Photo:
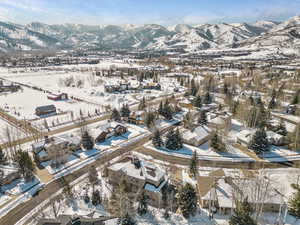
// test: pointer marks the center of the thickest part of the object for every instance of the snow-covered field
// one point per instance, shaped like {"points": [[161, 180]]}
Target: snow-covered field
{"points": [[91, 92], [22, 104]]}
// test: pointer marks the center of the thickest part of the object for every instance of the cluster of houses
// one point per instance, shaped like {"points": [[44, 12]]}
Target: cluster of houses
{"points": [[121, 87], [59, 148], [199, 134]]}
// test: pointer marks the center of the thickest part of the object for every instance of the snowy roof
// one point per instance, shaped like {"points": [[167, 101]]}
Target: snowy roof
{"points": [[217, 120], [198, 133], [147, 171]]}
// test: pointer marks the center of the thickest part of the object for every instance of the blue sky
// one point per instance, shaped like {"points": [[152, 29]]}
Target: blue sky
{"points": [[165, 12]]}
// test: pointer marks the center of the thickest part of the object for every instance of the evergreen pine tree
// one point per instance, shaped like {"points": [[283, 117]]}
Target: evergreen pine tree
{"points": [[194, 165], [294, 202], [251, 100], [93, 175], [259, 142], [194, 89], [187, 200], [149, 119], [142, 104], [173, 140], [296, 98], [225, 88], [207, 98], [281, 129], [26, 164], [167, 111], [96, 198], [125, 111], [126, 220], [179, 139], [142, 204], [272, 103], [242, 214], [87, 141], [202, 118], [263, 116], [115, 115], [217, 144], [160, 108], [197, 102], [234, 107], [156, 140], [3, 158]]}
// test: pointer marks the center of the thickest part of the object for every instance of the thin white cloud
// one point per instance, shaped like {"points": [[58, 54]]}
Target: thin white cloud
{"points": [[31, 5]]}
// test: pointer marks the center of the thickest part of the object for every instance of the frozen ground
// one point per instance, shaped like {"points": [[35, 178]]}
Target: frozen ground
{"points": [[203, 152], [71, 160], [22, 104]]}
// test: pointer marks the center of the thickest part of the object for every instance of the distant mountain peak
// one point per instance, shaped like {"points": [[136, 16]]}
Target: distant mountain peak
{"points": [[38, 35]]}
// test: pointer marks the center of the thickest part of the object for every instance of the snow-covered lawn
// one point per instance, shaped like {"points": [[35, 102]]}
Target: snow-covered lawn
{"points": [[77, 206], [71, 160], [83, 154], [203, 152]]}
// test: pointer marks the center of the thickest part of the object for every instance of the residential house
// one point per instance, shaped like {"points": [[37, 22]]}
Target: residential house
{"points": [[136, 117], [219, 121], [141, 176], [55, 148], [196, 136], [108, 131], [222, 194]]}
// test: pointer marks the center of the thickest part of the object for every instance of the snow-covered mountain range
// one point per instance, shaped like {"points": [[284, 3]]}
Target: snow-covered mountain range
{"points": [[151, 36]]}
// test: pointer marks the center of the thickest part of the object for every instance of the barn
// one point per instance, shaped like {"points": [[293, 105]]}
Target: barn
{"points": [[58, 97], [44, 110]]}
